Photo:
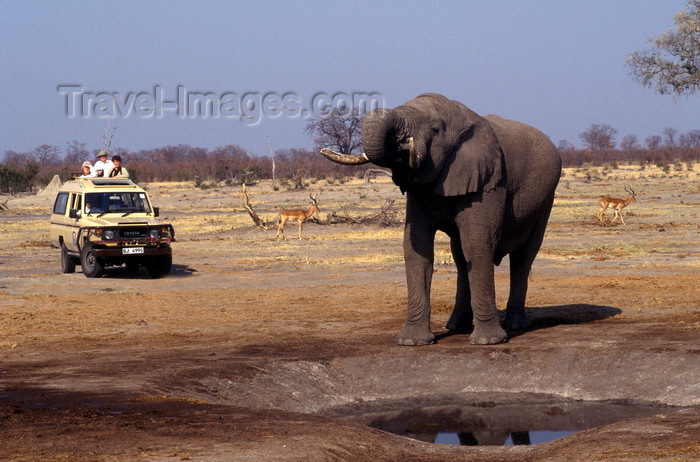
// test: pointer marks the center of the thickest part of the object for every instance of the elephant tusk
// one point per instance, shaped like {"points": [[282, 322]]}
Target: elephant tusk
{"points": [[414, 157], [345, 159]]}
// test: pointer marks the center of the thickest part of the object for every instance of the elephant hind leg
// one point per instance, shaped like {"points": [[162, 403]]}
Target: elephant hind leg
{"points": [[520, 265], [461, 319]]}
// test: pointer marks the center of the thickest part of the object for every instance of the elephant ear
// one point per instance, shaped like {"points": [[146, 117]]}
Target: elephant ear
{"points": [[476, 161]]}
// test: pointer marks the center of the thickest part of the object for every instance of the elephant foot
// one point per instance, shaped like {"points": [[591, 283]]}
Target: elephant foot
{"points": [[414, 336], [516, 319], [487, 334]]}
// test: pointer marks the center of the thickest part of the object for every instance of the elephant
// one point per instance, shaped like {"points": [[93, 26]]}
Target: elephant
{"points": [[486, 182]]}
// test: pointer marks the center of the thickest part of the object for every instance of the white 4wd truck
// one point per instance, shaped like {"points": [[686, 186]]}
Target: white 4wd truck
{"points": [[102, 222]]}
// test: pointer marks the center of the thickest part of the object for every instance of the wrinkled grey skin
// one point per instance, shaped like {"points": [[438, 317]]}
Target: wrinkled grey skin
{"points": [[487, 182]]}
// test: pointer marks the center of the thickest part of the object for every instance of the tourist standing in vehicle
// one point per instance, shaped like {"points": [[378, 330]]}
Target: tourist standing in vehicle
{"points": [[103, 166], [118, 171], [86, 170]]}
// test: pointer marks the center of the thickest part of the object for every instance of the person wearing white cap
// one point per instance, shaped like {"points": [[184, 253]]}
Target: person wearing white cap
{"points": [[102, 167], [86, 170]]}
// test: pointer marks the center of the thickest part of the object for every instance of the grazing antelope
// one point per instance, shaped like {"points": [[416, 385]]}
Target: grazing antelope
{"points": [[615, 204], [297, 214]]}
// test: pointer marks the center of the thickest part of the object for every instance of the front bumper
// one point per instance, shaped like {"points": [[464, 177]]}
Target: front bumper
{"points": [[117, 252]]}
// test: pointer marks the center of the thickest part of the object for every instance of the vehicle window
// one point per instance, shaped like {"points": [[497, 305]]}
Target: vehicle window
{"points": [[60, 205], [76, 201], [135, 202], [117, 202], [95, 202]]}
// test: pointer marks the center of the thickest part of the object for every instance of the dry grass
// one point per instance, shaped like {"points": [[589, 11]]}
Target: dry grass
{"points": [[662, 223]]}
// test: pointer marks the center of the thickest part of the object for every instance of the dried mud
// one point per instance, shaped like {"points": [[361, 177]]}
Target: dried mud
{"points": [[258, 349]]}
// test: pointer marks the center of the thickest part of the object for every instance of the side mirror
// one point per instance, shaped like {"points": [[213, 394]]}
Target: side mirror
{"points": [[156, 211], [73, 213]]}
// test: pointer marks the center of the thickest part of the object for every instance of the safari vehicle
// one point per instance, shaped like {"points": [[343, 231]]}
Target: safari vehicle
{"points": [[102, 222]]}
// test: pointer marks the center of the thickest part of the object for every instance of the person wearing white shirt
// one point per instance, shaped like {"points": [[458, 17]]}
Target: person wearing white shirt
{"points": [[102, 167]]}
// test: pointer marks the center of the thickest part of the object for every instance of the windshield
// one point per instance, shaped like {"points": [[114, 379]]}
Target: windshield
{"points": [[116, 202]]}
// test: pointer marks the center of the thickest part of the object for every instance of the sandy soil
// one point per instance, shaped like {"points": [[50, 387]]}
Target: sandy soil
{"points": [[258, 349]]}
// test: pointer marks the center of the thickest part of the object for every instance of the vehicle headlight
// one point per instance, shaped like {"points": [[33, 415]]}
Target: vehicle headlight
{"points": [[109, 234], [154, 233]]}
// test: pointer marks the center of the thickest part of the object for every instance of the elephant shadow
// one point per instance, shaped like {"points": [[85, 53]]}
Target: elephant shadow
{"points": [[577, 313], [556, 315]]}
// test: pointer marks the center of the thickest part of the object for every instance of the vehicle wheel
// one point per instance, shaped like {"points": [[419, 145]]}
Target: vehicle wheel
{"points": [[67, 262], [92, 266], [160, 266]]}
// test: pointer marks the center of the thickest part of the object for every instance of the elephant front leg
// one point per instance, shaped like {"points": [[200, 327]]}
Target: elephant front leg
{"points": [[418, 257], [487, 324]]}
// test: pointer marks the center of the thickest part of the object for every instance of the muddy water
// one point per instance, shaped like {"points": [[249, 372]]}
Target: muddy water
{"points": [[505, 420]]}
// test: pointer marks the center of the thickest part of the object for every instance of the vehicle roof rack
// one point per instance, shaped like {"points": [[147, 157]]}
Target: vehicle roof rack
{"points": [[110, 181]]}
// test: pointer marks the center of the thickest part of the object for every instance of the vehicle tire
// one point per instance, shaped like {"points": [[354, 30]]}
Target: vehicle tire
{"points": [[92, 266], [160, 266], [67, 262]]}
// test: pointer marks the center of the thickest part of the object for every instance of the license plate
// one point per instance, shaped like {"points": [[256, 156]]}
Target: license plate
{"points": [[131, 250]]}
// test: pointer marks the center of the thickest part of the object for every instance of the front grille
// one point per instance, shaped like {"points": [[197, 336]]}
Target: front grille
{"points": [[133, 233]]}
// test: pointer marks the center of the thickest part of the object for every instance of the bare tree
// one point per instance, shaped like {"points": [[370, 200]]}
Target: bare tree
{"points": [[629, 142], [108, 135], [272, 155], [337, 131], [653, 142], [76, 153], [565, 145], [255, 217], [46, 154], [670, 136], [672, 65], [16, 159], [690, 139], [599, 137]]}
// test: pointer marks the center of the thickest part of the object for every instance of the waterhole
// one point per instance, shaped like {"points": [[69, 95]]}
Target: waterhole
{"points": [[493, 423]]}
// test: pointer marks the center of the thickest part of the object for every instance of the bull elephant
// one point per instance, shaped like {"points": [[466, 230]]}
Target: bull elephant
{"points": [[487, 182]]}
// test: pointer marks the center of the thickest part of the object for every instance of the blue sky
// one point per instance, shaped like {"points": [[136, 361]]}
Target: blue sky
{"points": [[555, 64]]}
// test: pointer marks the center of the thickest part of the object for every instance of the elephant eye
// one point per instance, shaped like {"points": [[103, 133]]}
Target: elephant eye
{"points": [[435, 127]]}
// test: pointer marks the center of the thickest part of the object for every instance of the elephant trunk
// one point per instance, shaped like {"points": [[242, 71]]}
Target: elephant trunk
{"points": [[377, 140], [382, 139]]}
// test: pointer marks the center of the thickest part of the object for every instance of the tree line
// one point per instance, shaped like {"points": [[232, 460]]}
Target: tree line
{"points": [[29, 171], [231, 164], [601, 148]]}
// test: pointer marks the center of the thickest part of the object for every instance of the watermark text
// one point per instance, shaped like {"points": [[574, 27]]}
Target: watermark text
{"points": [[249, 107]]}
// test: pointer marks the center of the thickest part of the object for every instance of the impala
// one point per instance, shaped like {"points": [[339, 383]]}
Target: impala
{"points": [[615, 204], [297, 214]]}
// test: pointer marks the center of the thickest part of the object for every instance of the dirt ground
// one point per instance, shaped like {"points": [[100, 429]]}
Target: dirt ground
{"points": [[259, 349]]}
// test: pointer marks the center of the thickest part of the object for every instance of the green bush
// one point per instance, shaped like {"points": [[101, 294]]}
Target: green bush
{"points": [[14, 179]]}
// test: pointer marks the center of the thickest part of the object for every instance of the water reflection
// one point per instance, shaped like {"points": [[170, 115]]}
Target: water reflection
{"points": [[492, 423], [490, 438], [484, 438]]}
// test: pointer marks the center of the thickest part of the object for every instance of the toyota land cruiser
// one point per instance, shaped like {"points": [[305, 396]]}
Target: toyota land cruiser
{"points": [[102, 222]]}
